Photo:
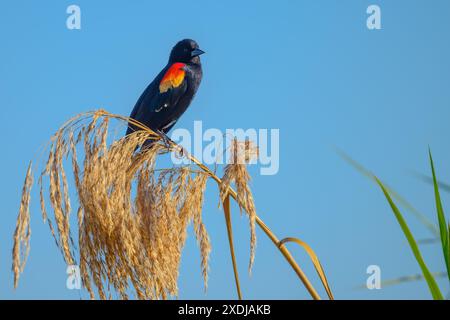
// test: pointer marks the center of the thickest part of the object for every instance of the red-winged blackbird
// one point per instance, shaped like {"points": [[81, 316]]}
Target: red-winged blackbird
{"points": [[168, 96]]}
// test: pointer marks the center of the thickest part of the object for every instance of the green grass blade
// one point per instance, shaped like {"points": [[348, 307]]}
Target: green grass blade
{"points": [[421, 217], [441, 218], [432, 285]]}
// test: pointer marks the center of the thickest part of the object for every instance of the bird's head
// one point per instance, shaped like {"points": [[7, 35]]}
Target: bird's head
{"points": [[186, 51]]}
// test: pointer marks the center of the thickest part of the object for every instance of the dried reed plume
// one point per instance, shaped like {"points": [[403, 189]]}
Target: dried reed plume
{"points": [[236, 172], [23, 231], [132, 217]]}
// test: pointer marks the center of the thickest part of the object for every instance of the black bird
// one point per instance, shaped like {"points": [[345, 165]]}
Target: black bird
{"points": [[169, 95]]}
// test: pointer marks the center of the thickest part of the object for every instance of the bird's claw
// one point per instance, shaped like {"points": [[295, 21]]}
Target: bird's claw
{"points": [[181, 152], [165, 139]]}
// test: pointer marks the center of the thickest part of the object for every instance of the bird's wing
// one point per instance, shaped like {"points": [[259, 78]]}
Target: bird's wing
{"points": [[156, 103], [138, 109]]}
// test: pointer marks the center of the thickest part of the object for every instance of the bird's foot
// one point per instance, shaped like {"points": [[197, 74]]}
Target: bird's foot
{"points": [[168, 143], [165, 139]]}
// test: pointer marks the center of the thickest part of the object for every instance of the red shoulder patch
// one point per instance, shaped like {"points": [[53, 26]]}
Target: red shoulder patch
{"points": [[173, 77]]}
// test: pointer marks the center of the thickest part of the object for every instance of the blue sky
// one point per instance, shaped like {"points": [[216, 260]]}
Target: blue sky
{"points": [[310, 68]]}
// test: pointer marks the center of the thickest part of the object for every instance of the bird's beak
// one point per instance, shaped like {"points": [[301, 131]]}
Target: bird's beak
{"points": [[197, 52]]}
